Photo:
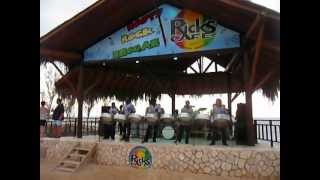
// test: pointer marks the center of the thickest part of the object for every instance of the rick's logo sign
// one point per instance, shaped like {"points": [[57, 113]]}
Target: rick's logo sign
{"points": [[140, 157]]}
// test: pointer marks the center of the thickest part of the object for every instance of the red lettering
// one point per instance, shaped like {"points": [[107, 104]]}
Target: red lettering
{"points": [[143, 19]]}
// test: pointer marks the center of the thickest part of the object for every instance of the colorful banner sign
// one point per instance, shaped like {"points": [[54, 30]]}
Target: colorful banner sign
{"points": [[165, 30], [140, 157]]}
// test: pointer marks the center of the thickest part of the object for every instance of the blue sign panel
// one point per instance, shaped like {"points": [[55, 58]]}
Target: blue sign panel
{"points": [[165, 30]]}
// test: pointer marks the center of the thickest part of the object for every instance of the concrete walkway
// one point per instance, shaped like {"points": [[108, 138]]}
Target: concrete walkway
{"points": [[95, 172]]}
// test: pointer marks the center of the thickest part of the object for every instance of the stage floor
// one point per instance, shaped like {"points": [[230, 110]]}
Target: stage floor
{"points": [[96, 172]]}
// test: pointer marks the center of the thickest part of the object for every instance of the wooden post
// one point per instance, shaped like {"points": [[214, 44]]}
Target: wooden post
{"points": [[173, 102], [229, 94], [80, 101], [216, 66], [248, 92]]}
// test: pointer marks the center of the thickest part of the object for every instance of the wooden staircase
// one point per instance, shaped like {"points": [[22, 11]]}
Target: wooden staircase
{"points": [[74, 159]]}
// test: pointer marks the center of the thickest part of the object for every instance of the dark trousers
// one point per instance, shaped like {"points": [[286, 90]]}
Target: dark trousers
{"points": [[121, 129], [223, 135], [151, 128], [109, 131], [181, 129], [126, 131]]}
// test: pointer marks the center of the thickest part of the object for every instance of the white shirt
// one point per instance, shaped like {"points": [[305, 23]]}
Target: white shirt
{"points": [[44, 113]]}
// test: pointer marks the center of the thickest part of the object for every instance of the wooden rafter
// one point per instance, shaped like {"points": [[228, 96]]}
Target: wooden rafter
{"points": [[69, 83], [256, 55], [234, 97], [193, 69], [264, 80], [211, 61], [93, 85], [252, 28], [55, 54]]}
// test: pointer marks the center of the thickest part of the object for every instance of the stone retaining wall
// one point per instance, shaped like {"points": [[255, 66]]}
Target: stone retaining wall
{"points": [[212, 160]]}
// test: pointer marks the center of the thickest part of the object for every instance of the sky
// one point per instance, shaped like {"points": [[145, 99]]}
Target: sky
{"points": [[55, 12]]}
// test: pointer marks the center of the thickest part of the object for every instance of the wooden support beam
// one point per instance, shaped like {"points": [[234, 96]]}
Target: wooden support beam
{"points": [[234, 97], [173, 103], [264, 80], [216, 66], [208, 66], [69, 83], [193, 69], [248, 8], [80, 101], [93, 85], [253, 26], [256, 55], [60, 55]]}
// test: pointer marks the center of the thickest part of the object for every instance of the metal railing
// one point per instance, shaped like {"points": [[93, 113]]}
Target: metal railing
{"points": [[268, 130]]}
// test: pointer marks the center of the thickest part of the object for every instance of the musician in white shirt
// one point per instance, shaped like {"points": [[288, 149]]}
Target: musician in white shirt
{"points": [[128, 109], [218, 108]]}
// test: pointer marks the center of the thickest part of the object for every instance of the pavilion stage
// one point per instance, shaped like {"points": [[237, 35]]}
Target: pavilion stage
{"points": [[257, 162]]}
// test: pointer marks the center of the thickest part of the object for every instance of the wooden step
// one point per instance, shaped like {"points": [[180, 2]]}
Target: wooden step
{"points": [[70, 162], [66, 169], [77, 155], [82, 149]]}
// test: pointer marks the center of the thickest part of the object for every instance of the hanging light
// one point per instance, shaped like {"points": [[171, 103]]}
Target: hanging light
{"points": [[175, 58], [137, 62]]}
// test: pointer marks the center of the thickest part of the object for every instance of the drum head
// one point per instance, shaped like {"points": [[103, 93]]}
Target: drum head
{"points": [[168, 132]]}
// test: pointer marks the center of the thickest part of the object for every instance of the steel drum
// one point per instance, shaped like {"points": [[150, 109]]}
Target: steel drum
{"points": [[167, 118], [151, 118], [202, 118], [121, 118], [221, 120], [134, 118], [106, 118], [168, 132], [185, 118]]}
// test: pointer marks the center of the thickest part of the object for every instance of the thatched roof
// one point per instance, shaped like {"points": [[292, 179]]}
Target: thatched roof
{"points": [[67, 42]]}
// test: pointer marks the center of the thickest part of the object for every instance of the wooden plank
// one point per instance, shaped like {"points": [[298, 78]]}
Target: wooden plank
{"points": [[193, 69], [71, 162], [80, 101], [69, 83], [59, 55], [264, 80], [235, 96], [208, 66], [256, 55], [98, 80]]}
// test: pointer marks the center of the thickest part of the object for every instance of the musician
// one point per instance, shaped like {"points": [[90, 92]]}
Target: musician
{"points": [[121, 126], [218, 108], [128, 109], [113, 110], [181, 128], [153, 109]]}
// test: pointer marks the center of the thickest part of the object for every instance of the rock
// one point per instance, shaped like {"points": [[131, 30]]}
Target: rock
{"points": [[245, 154], [181, 157], [207, 170], [199, 154], [196, 166], [188, 154], [204, 158], [241, 163], [214, 153], [226, 166], [217, 164]]}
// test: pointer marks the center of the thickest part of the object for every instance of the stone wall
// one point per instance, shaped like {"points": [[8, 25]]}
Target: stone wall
{"points": [[212, 160]]}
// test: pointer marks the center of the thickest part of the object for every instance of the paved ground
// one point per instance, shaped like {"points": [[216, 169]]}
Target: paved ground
{"points": [[95, 172]]}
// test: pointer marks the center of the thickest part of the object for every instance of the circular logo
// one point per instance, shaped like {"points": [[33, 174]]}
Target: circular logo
{"points": [[168, 132], [191, 30], [140, 157]]}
